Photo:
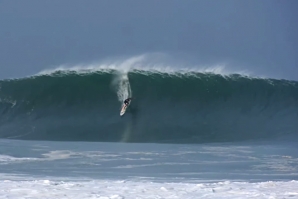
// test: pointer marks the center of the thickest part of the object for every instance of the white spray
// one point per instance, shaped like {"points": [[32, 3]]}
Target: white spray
{"points": [[122, 85]]}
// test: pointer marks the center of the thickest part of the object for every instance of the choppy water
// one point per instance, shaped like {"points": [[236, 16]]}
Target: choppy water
{"points": [[124, 170]]}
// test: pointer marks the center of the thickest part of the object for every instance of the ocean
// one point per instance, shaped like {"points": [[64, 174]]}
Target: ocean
{"points": [[186, 134]]}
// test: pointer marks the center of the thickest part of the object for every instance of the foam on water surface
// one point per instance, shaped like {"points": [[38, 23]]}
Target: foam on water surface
{"points": [[145, 189], [78, 170]]}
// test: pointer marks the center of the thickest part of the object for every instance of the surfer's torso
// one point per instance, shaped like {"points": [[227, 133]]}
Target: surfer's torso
{"points": [[127, 101]]}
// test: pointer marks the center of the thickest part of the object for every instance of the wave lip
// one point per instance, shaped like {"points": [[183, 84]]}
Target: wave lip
{"points": [[170, 106], [146, 63]]}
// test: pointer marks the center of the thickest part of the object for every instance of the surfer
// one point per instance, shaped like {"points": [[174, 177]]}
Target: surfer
{"points": [[125, 105], [127, 101]]}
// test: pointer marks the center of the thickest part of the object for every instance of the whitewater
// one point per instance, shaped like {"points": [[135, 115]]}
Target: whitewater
{"points": [[35, 169], [189, 133]]}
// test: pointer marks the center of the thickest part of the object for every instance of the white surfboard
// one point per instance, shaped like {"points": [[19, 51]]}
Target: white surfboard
{"points": [[123, 109]]}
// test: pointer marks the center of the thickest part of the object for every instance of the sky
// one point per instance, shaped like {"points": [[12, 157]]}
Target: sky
{"points": [[258, 36]]}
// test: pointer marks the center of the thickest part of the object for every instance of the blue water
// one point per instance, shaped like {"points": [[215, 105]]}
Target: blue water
{"points": [[166, 107], [237, 133], [158, 162]]}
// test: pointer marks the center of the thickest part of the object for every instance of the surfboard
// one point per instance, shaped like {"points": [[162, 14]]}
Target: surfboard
{"points": [[123, 109]]}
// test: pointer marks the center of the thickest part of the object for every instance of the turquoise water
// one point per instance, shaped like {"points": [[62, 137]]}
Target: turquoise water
{"points": [[184, 135], [166, 108]]}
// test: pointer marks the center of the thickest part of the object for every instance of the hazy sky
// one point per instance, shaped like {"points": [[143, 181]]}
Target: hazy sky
{"points": [[258, 35]]}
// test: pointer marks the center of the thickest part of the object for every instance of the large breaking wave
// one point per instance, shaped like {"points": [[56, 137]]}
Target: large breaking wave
{"points": [[176, 107]]}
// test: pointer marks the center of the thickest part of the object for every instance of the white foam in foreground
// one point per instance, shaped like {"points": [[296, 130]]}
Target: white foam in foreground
{"points": [[133, 189]]}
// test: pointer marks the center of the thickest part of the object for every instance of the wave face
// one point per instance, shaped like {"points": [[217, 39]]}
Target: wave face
{"points": [[167, 107]]}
